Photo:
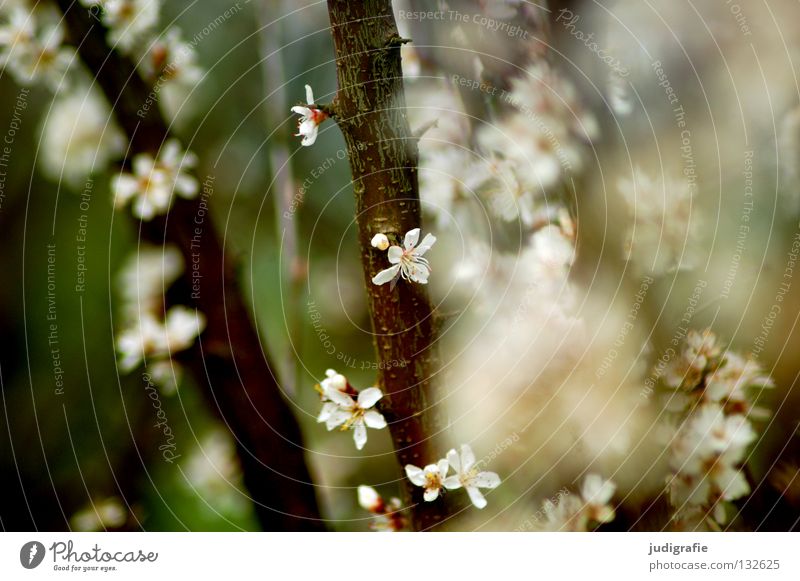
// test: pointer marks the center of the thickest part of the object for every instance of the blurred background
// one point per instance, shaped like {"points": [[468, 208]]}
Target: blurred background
{"points": [[602, 176]]}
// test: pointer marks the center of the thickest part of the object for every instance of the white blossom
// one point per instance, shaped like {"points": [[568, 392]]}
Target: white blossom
{"points": [[431, 478], [80, 136], [150, 337], [31, 48], [369, 499], [153, 182], [407, 261], [146, 276], [596, 493], [129, 21], [310, 119], [171, 65], [468, 476], [356, 414]]}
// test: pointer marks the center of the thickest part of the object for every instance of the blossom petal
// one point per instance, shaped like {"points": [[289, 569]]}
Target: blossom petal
{"points": [[418, 272], [476, 496], [310, 137], [369, 397], [360, 435], [415, 474], [374, 420], [452, 483], [304, 111], [387, 275], [411, 239], [431, 494], [395, 253], [341, 399], [336, 418], [454, 461], [425, 245], [442, 466], [309, 95], [486, 480], [467, 458]]}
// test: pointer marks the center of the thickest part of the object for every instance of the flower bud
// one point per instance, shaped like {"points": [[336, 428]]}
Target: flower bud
{"points": [[380, 241]]}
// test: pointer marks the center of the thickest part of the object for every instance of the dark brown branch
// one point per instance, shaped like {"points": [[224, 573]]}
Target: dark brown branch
{"points": [[370, 110], [235, 375]]}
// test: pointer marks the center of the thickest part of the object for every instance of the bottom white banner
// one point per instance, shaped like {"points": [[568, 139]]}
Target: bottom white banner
{"points": [[350, 556]]}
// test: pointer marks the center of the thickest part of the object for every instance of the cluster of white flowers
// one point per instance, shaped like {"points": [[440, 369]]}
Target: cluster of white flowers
{"points": [[347, 409], [388, 517], [433, 477], [666, 228], [80, 136], [311, 117], [714, 404], [154, 180], [151, 333], [129, 22], [31, 45], [583, 512], [535, 147], [408, 260]]}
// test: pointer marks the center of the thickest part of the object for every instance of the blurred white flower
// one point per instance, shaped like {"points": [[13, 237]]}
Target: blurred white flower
{"points": [[31, 49], [100, 515], [666, 230], [468, 476], [431, 478], [130, 22], [151, 338], [388, 517], [171, 65], [575, 514], [408, 261], [146, 276], [596, 493], [153, 181], [310, 119], [80, 136], [369, 499], [333, 382], [353, 414]]}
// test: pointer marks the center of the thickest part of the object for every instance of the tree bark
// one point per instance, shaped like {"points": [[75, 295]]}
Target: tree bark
{"points": [[370, 110], [236, 377]]}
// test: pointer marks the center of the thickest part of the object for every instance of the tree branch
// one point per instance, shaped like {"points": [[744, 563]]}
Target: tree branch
{"points": [[370, 111], [235, 376]]}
